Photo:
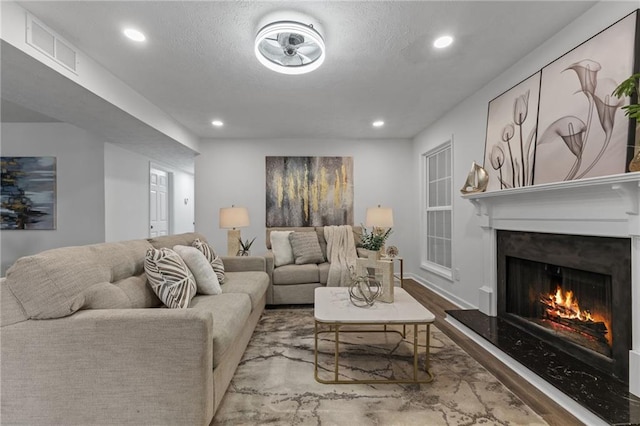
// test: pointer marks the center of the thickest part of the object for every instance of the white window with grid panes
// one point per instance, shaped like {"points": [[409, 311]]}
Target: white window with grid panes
{"points": [[437, 211]]}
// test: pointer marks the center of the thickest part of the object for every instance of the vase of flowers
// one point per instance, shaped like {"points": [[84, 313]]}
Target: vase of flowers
{"points": [[373, 241]]}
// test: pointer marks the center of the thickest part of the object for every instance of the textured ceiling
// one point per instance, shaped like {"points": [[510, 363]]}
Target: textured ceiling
{"points": [[198, 63]]}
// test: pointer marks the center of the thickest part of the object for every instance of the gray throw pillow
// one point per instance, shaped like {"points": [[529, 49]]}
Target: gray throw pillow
{"points": [[306, 248], [206, 279]]}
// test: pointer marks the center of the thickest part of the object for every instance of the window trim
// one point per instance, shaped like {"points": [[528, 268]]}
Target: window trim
{"points": [[435, 268]]}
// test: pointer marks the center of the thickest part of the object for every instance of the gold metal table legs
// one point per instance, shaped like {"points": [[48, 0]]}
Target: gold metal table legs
{"points": [[335, 328]]}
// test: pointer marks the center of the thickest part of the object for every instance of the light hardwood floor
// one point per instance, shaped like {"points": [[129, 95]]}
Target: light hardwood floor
{"points": [[547, 408]]}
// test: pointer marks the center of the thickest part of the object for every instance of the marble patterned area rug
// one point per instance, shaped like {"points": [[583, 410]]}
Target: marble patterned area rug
{"points": [[274, 383]]}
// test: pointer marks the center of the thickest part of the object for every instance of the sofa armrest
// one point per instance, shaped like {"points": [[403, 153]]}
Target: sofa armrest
{"points": [[243, 263], [124, 366]]}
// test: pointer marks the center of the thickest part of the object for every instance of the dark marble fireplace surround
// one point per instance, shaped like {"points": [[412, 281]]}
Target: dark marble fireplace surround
{"points": [[597, 382], [602, 256]]}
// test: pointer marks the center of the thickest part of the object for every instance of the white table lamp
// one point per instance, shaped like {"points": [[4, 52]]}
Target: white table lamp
{"points": [[232, 218], [379, 217]]}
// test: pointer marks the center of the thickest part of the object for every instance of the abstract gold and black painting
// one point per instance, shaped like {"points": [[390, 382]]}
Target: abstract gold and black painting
{"points": [[309, 191]]}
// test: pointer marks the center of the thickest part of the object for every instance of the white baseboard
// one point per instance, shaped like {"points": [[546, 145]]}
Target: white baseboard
{"points": [[581, 413], [460, 303]]}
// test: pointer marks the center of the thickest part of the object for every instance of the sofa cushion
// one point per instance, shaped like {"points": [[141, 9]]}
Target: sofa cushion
{"points": [[323, 269], [169, 277], [281, 247], [322, 241], [230, 312], [169, 241], [212, 257], [296, 274], [305, 247], [206, 279], [47, 284], [253, 283]]}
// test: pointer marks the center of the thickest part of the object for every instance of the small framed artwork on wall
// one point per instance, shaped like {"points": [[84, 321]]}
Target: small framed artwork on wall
{"points": [[28, 193]]}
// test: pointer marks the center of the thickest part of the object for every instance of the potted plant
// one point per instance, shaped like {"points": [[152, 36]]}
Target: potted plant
{"points": [[245, 247], [631, 87], [374, 241]]}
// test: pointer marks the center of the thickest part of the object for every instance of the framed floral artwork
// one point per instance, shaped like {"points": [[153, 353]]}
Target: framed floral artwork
{"points": [[582, 129], [510, 139]]}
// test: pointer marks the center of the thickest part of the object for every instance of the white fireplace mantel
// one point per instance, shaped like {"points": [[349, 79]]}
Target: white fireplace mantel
{"points": [[604, 206]]}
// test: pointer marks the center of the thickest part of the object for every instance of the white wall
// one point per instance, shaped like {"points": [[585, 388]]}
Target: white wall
{"points": [[126, 190], [233, 172], [467, 123], [80, 189]]}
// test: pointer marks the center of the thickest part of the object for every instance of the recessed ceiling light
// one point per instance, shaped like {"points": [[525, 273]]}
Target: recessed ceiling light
{"points": [[134, 35], [442, 42], [378, 123], [217, 123]]}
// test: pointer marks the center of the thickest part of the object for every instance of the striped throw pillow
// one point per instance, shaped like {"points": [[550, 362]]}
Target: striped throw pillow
{"points": [[169, 277], [212, 257]]}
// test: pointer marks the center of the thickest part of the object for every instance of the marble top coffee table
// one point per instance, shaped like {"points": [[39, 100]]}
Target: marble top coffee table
{"points": [[333, 308]]}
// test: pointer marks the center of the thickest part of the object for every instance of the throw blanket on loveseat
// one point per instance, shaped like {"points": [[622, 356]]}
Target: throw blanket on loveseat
{"points": [[341, 252]]}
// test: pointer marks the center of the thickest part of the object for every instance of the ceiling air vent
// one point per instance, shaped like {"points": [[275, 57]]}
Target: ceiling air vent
{"points": [[51, 44]]}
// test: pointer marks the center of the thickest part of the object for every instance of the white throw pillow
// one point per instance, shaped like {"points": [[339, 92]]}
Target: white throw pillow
{"points": [[169, 277], [281, 248], [206, 279]]}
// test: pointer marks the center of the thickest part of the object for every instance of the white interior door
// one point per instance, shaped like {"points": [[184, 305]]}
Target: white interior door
{"points": [[158, 203]]}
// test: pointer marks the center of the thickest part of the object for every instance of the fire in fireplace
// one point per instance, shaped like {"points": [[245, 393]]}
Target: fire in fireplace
{"points": [[563, 309], [572, 304], [569, 290]]}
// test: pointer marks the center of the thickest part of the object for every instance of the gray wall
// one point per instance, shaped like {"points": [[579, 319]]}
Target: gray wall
{"points": [[80, 187], [233, 172]]}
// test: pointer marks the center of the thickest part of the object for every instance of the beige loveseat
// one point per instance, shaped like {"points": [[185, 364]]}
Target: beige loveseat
{"points": [[295, 284], [120, 358]]}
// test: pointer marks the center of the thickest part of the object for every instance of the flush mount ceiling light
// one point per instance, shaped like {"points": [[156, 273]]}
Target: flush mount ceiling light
{"points": [[378, 123], [289, 47], [217, 123]]}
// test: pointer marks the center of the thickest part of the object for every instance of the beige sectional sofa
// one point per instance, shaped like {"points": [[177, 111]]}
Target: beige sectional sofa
{"points": [[84, 340], [295, 284]]}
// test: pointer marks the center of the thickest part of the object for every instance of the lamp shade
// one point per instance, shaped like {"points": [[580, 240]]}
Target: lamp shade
{"points": [[379, 217], [234, 217]]}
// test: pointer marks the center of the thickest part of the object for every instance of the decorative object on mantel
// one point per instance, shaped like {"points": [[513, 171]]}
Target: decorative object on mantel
{"points": [[28, 193], [232, 218], [380, 271], [629, 88], [581, 129], [392, 251], [362, 291], [477, 180], [245, 247]]}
